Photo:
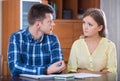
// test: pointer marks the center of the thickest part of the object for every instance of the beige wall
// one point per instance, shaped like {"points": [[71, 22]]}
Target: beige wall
{"points": [[0, 26]]}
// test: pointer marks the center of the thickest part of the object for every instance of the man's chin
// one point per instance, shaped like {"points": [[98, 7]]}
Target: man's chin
{"points": [[50, 33]]}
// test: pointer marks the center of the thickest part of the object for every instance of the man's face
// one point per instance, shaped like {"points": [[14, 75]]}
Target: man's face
{"points": [[47, 24]]}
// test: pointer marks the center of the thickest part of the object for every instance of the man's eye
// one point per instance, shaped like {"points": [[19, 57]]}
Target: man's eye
{"points": [[49, 21]]}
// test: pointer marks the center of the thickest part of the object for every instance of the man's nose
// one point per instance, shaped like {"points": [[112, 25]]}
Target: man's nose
{"points": [[53, 24]]}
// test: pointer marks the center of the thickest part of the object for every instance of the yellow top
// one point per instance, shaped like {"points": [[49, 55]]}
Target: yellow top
{"points": [[104, 56]]}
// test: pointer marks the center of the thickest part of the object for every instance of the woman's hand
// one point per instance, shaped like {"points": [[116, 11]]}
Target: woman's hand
{"points": [[56, 67], [83, 70], [104, 70]]}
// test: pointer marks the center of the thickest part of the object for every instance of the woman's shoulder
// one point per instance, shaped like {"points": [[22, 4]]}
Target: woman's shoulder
{"points": [[108, 42], [79, 40]]}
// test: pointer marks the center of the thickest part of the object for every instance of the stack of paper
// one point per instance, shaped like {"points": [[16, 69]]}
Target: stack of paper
{"points": [[75, 75]]}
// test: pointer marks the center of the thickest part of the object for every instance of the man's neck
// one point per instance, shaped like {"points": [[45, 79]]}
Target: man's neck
{"points": [[35, 33]]}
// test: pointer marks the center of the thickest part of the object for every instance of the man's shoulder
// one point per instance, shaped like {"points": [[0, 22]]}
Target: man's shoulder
{"points": [[51, 35], [19, 32]]}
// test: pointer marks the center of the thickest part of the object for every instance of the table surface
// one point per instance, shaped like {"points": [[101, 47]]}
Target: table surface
{"points": [[104, 77]]}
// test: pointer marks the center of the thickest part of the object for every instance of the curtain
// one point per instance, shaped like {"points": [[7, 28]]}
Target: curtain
{"points": [[112, 11]]}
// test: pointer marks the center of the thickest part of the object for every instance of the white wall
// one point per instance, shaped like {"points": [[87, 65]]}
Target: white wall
{"points": [[0, 25], [112, 11]]}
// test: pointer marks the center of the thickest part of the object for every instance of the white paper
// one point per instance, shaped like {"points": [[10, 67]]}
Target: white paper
{"points": [[76, 75], [86, 75]]}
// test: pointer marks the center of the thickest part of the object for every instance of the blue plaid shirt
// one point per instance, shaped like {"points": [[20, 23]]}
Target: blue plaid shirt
{"points": [[29, 56]]}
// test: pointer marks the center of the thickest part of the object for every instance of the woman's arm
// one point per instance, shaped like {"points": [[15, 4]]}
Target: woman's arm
{"points": [[79, 70], [112, 59]]}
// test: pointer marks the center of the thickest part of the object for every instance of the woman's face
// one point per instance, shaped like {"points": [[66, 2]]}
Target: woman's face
{"points": [[90, 27]]}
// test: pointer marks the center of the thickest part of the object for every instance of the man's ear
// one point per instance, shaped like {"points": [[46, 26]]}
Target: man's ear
{"points": [[100, 27], [37, 24]]}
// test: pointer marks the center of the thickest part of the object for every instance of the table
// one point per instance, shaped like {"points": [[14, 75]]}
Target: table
{"points": [[104, 77]]}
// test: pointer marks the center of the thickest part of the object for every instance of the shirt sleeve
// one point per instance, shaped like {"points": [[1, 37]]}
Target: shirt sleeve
{"points": [[56, 50], [15, 63], [72, 62], [112, 61]]}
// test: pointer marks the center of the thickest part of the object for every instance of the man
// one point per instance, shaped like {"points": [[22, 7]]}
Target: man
{"points": [[35, 50]]}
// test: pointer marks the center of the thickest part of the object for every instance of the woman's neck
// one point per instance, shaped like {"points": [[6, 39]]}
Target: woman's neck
{"points": [[93, 38], [92, 43]]}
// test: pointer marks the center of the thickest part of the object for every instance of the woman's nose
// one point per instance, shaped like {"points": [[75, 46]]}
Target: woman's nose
{"points": [[85, 26]]}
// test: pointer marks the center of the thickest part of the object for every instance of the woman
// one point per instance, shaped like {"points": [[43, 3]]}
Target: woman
{"points": [[93, 52]]}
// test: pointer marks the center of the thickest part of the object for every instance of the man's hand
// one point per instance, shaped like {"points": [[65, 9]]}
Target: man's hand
{"points": [[56, 67]]}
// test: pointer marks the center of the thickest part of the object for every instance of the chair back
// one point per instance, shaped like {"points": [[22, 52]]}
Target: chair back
{"points": [[1, 65]]}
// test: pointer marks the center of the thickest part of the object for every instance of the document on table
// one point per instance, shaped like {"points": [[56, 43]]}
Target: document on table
{"points": [[76, 75]]}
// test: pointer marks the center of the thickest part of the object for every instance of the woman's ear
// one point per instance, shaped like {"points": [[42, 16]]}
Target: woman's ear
{"points": [[100, 27]]}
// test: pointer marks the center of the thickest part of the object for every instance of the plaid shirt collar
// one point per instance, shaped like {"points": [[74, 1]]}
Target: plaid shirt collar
{"points": [[31, 38]]}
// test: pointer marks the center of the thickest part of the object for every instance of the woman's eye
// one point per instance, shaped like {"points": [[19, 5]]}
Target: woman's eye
{"points": [[83, 22], [90, 24]]}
